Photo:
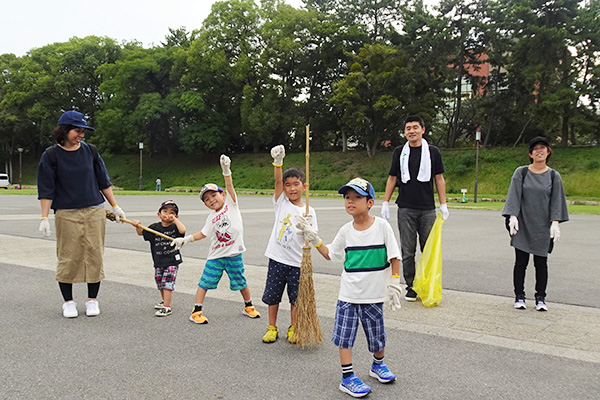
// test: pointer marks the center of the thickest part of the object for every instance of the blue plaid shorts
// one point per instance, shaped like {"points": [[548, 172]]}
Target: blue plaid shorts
{"points": [[165, 277], [213, 271], [278, 276], [345, 328]]}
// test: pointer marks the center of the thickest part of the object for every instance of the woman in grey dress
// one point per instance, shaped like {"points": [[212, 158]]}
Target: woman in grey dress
{"points": [[535, 205]]}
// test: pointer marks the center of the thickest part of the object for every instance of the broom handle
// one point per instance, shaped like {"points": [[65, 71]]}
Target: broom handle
{"points": [[307, 164], [162, 235]]}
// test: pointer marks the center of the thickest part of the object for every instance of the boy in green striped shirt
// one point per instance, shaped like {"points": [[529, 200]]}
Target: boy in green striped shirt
{"points": [[371, 256]]}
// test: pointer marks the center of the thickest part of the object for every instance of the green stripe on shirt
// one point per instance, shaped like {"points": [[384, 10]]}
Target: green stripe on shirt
{"points": [[366, 258]]}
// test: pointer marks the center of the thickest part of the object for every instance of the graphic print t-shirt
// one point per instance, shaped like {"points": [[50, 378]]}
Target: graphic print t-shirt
{"points": [[163, 254], [285, 244], [225, 229]]}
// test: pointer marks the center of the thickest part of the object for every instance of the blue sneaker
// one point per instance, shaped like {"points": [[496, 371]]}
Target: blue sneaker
{"points": [[381, 373], [354, 386]]}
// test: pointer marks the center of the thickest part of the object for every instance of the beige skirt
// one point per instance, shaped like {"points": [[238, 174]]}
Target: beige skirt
{"points": [[80, 244]]}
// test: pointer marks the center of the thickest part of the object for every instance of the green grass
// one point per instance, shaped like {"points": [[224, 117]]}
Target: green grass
{"points": [[253, 173]]}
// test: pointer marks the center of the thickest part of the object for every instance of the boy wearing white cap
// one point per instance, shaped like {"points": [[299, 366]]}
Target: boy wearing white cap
{"points": [[225, 228]]}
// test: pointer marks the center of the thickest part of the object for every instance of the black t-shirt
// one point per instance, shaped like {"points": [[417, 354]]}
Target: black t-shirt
{"points": [[414, 193], [163, 254]]}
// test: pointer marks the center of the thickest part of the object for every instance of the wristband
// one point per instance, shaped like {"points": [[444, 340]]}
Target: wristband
{"points": [[278, 166], [115, 206], [319, 245], [193, 239], [554, 221], [395, 276], [43, 217]]}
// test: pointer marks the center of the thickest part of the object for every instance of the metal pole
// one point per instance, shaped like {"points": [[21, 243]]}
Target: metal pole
{"points": [[477, 138], [141, 148], [20, 150]]}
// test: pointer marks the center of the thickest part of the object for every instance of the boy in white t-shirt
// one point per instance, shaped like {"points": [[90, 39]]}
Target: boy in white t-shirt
{"points": [[367, 246], [226, 231], [284, 249]]}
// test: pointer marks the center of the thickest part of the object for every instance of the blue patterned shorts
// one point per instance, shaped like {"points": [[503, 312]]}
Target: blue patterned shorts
{"points": [[165, 277], [278, 276], [345, 328], [213, 271]]}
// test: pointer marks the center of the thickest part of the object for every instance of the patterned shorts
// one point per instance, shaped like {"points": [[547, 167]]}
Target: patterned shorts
{"points": [[278, 276], [345, 328], [165, 277], [213, 271]]}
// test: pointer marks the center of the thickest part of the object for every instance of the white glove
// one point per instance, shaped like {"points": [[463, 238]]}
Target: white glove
{"points": [[385, 210], [444, 211], [310, 235], [225, 165], [278, 152], [179, 242], [118, 213], [45, 227], [394, 294], [555, 231], [306, 220], [513, 225]]}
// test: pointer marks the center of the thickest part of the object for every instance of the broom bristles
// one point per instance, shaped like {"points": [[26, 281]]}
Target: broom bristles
{"points": [[308, 330]]}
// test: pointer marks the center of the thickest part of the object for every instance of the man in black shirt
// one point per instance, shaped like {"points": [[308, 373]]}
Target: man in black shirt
{"points": [[415, 166]]}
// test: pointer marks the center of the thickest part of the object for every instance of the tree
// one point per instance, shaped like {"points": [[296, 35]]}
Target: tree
{"points": [[373, 96], [50, 80], [218, 65], [143, 98], [541, 65]]}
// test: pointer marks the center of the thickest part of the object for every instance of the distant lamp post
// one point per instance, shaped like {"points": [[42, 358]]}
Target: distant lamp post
{"points": [[20, 150], [477, 140], [141, 148]]}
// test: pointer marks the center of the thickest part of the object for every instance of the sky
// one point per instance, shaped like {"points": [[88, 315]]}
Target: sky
{"points": [[28, 24]]}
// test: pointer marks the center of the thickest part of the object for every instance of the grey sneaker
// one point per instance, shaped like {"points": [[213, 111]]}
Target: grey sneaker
{"points": [[70, 309], [540, 304], [520, 303], [160, 305]]}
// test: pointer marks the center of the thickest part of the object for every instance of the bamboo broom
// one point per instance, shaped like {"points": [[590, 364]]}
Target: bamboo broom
{"points": [[308, 330]]}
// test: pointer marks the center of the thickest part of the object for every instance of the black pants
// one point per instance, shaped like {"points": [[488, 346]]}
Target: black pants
{"points": [[541, 273], [67, 290]]}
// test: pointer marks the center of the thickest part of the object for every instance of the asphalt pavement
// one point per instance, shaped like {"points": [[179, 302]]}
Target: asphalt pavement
{"points": [[474, 345]]}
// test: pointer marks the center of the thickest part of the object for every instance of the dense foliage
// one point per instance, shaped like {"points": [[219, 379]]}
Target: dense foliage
{"points": [[253, 75]]}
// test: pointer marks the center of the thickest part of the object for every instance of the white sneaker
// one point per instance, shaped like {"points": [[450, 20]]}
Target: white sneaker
{"points": [[164, 312], [520, 304], [540, 304], [70, 309], [91, 308]]}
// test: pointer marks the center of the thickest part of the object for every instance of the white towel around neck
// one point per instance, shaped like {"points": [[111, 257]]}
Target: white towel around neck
{"points": [[424, 168]]}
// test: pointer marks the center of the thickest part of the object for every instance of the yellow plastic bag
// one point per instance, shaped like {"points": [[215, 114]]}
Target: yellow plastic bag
{"points": [[428, 274]]}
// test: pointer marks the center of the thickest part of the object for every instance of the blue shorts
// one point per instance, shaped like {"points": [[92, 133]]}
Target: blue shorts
{"points": [[347, 316], [165, 277], [213, 271], [278, 276]]}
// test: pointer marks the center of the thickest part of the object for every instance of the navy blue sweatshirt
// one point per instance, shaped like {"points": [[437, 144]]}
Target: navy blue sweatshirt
{"points": [[77, 181]]}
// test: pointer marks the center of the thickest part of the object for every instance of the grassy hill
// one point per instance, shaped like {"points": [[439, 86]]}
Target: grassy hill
{"points": [[579, 168]]}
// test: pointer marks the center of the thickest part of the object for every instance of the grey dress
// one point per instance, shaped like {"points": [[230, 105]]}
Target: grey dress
{"points": [[536, 201]]}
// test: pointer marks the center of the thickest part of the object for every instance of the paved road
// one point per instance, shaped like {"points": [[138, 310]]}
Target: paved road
{"points": [[476, 251], [472, 346]]}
